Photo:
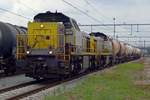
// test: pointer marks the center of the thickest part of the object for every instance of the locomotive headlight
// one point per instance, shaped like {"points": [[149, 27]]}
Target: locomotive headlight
{"points": [[41, 25], [28, 52], [50, 52]]}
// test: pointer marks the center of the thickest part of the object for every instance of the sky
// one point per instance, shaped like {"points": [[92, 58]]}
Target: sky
{"points": [[101, 11]]}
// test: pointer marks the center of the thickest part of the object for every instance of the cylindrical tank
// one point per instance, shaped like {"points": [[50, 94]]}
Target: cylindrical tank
{"points": [[130, 50], [8, 38], [116, 47], [107, 47], [134, 51], [127, 50], [138, 52], [122, 48]]}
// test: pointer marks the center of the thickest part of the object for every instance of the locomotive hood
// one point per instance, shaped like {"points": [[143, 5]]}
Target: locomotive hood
{"points": [[99, 34]]}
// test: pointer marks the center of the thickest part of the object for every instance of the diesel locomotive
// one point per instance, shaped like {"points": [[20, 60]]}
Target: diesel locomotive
{"points": [[54, 47]]}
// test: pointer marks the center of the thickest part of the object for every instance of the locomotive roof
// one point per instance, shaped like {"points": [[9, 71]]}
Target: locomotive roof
{"points": [[51, 17], [99, 34]]}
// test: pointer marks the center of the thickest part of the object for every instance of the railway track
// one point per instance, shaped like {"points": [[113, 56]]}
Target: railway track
{"points": [[18, 90], [24, 90], [30, 88], [16, 87]]}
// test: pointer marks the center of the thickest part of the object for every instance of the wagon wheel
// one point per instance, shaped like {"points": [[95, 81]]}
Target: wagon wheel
{"points": [[13, 67]]}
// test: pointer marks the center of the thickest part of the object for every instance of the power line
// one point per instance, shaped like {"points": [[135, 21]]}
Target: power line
{"points": [[146, 24], [27, 6], [82, 11], [131, 26], [5, 16], [2, 9], [137, 41], [94, 10], [133, 36], [142, 31], [80, 6], [93, 7]]}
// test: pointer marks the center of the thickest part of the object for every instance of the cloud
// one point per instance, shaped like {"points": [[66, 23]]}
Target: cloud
{"points": [[125, 11], [28, 8]]}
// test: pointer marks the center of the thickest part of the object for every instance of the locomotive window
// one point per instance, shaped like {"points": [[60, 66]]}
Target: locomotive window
{"points": [[67, 25], [75, 25]]}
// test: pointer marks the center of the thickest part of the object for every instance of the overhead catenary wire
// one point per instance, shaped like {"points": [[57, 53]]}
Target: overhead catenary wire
{"points": [[25, 5], [93, 18], [82, 11], [97, 10], [13, 13], [98, 13], [94, 10]]}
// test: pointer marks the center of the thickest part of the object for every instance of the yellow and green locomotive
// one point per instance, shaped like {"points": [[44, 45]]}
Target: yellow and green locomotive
{"points": [[55, 47]]}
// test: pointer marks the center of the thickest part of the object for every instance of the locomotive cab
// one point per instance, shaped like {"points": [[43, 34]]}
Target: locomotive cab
{"points": [[51, 39], [106, 46]]}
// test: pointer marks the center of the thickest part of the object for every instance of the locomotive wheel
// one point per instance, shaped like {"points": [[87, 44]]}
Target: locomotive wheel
{"points": [[72, 67], [6, 72], [76, 68], [13, 71], [75, 65]]}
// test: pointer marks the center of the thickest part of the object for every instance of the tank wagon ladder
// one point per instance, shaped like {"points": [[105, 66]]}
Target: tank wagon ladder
{"points": [[21, 46]]}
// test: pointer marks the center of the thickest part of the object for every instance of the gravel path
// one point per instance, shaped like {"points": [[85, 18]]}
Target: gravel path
{"points": [[13, 81], [147, 68], [144, 75], [13, 93], [55, 90]]}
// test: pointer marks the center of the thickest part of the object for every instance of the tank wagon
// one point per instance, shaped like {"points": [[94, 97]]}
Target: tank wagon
{"points": [[8, 46], [55, 47]]}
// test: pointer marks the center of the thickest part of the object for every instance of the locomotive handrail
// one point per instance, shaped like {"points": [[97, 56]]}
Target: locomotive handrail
{"points": [[61, 45], [20, 46]]}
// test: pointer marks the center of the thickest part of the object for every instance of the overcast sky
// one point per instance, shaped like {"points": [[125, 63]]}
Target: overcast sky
{"points": [[125, 11]]}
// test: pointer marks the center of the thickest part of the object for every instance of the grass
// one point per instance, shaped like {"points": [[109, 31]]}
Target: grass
{"points": [[112, 84]]}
